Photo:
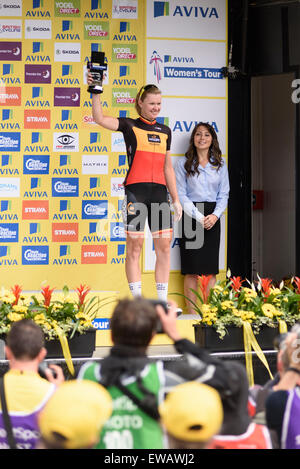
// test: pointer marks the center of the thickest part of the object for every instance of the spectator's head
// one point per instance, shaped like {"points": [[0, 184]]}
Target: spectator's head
{"points": [[74, 416], [133, 323], [25, 342], [191, 414], [235, 399]]}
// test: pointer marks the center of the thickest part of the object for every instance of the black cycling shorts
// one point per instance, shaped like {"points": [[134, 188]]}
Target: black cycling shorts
{"points": [[147, 201]]}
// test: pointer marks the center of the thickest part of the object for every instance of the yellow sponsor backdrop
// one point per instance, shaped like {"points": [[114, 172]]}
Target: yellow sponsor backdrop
{"points": [[48, 228], [71, 26]]}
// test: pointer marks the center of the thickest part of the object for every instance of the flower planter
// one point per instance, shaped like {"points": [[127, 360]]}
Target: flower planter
{"points": [[81, 345], [208, 338]]}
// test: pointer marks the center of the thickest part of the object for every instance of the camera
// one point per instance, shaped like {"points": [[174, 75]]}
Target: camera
{"points": [[96, 67], [42, 367], [159, 328]]}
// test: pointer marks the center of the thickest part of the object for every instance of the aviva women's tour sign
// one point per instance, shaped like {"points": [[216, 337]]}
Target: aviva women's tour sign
{"points": [[61, 175]]}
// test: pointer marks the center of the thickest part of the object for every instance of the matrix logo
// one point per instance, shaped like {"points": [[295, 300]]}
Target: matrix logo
{"points": [[94, 164], [161, 9], [9, 232], [35, 255], [35, 210]]}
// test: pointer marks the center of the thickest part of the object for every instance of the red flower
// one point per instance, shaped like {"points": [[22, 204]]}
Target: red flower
{"points": [[47, 293], [17, 292], [266, 285], [203, 284], [236, 283], [297, 282], [82, 291]]}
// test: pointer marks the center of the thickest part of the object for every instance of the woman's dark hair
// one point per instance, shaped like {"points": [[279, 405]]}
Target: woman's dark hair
{"points": [[214, 152], [144, 91]]}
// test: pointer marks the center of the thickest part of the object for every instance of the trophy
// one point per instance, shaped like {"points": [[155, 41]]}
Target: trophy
{"points": [[96, 67]]}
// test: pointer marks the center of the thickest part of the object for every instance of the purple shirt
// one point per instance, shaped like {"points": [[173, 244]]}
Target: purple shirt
{"points": [[291, 421]]}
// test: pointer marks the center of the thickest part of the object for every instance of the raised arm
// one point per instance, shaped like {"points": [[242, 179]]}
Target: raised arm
{"points": [[108, 122]]}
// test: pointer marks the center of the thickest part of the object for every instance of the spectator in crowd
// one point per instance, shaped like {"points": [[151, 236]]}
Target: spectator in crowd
{"points": [[258, 394], [283, 404], [191, 414], [138, 385], [73, 417], [238, 430], [25, 392]]}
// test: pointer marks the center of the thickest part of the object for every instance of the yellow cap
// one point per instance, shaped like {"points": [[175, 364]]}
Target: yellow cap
{"points": [[76, 411], [192, 412]]}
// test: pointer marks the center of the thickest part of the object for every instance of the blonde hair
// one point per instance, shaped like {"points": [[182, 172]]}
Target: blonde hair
{"points": [[144, 91]]}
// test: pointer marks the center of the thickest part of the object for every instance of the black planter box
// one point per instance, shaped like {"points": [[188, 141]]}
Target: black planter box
{"points": [[81, 345], [208, 338]]}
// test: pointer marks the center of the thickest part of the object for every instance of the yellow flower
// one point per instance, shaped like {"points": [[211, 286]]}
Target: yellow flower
{"points": [[19, 309], [268, 310], [250, 292], [275, 291], [204, 308], [15, 317]]}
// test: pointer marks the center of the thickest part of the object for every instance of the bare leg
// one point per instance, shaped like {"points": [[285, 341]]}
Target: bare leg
{"points": [[134, 246], [162, 251], [190, 281]]}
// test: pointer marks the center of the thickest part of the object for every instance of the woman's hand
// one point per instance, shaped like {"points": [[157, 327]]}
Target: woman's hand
{"points": [[209, 221], [177, 210]]}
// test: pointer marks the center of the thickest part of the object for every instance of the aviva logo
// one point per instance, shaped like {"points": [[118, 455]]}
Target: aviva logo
{"points": [[161, 9]]}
